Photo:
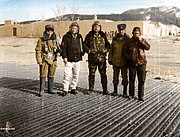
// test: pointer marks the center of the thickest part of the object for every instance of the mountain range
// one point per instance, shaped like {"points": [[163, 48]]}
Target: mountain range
{"points": [[163, 14]]}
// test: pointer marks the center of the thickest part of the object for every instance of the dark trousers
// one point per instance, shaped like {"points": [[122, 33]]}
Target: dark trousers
{"points": [[140, 70], [116, 72], [102, 70]]}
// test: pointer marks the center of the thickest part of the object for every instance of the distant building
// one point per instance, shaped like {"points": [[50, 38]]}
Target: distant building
{"points": [[95, 17], [8, 22], [157, 29], [35, 29]]}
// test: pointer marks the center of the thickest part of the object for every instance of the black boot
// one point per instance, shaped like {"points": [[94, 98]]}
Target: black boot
{"points": [[91, 87], [42, 86], [141, 91], [64, 93], [105, 91], [115, 91], [50, 85], [104, 84], [91, 84], [131, 90], [125, 91], [74, 91], [88, 92]]}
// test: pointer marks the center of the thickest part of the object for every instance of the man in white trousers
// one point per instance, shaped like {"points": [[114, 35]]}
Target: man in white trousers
{"points": [[72, 55]]}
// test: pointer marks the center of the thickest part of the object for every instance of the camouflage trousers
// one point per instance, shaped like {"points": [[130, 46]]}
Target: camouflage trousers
{"points": [[47, 70], [116, 71], [140, 70], [102, 70]]}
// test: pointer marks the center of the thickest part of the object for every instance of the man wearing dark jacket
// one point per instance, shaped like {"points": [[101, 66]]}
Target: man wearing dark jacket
{"points": [[117, 58], [72, 55], [97, 46], [137, 63]]}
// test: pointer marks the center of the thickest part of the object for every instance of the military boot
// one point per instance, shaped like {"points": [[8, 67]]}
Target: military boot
{"points": [[88, 92], [125, 91], [50, 85], [42, 86], [74, 91], [64, 93], [105, 91], [131, 90], [115, 91], [104, 84], [91, 84], [141, 91]]}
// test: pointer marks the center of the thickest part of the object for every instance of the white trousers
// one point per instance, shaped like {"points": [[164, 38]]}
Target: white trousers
{"points": [[71, 70]]}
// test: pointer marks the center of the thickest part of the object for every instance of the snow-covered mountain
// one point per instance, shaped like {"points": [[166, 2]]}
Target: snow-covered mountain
{"points": [[163, 14]]}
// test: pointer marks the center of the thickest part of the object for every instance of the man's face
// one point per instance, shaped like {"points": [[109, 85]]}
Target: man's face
{"points": [[49, 32], [96, 28], [121, 32], [74, 29], [136, 34]]}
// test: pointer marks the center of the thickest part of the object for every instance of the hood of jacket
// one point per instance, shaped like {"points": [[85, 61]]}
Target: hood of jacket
{"points": [[91, 33], [45, 36], [69, 35]]}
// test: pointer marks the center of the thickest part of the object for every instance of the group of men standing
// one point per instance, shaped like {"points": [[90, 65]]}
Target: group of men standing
{"points": [[125, 54]]}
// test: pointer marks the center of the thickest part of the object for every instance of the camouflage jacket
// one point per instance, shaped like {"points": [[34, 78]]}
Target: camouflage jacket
{"points": [[46, 49], [96, 46], [116, 55]]}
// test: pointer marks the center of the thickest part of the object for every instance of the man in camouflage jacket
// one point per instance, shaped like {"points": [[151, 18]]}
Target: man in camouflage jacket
{"points": [[97, 46]]}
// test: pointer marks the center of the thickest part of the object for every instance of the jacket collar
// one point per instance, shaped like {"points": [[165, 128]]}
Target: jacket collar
{"points": [[133, 39], [69, 34], [91, 33], [45, 37]]}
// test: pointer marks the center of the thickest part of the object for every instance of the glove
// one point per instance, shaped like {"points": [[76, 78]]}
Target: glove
{"points": [[82, 53], [104, 50], [110, 62], [93, 51]]}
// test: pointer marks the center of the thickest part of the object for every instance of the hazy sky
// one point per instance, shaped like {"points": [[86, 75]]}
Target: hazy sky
{"points": [[22, 10]]}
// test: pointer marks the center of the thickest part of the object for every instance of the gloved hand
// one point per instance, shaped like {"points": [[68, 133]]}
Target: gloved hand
{"points": [[104, 51], [110, 62], [93, 51], [82, 53]]}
